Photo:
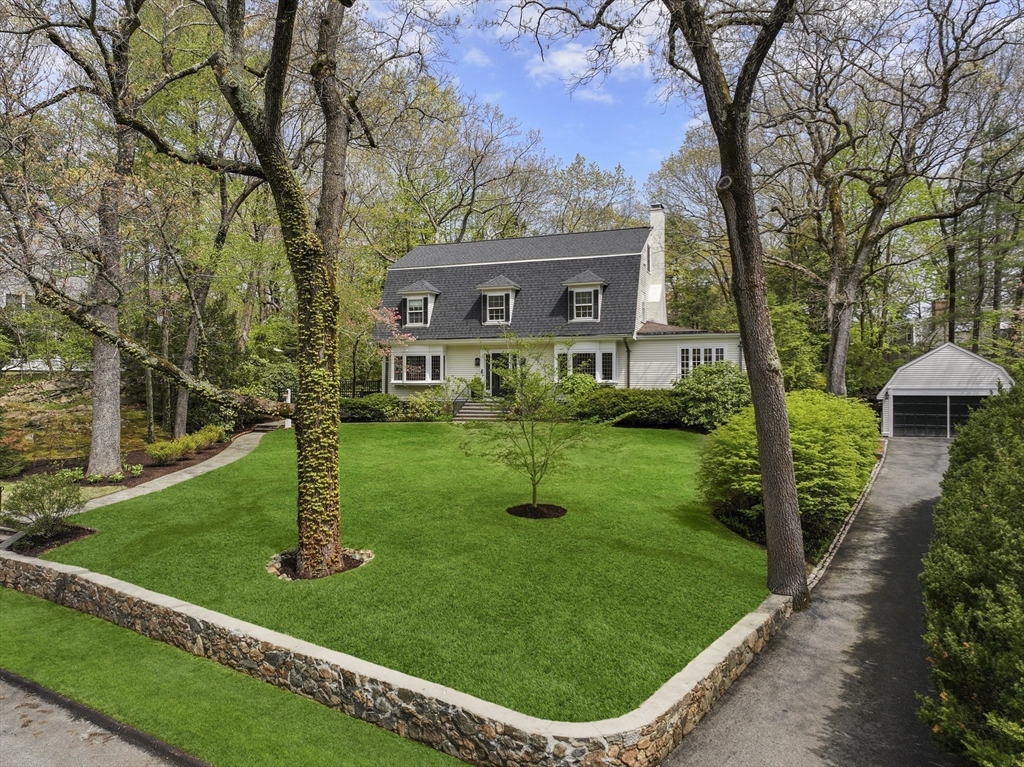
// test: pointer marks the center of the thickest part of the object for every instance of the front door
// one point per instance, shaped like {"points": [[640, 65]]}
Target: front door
{"points": [[496, 363]]}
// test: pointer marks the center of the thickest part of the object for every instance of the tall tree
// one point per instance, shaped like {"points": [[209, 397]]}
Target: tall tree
{"points": [[720, 48]]}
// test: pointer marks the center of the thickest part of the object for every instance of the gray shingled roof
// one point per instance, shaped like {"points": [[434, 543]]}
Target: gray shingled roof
{"points": [[657, 329], [585, 277], [501, 281], [420, 286], [541, 305], [554, 246]]}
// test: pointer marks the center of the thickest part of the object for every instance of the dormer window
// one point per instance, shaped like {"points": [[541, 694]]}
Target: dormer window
{"points": [[415, 313], [497, 300], [585, 291], [417, 303]]}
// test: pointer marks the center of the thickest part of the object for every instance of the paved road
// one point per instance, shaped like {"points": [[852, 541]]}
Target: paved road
{"points": [[837, 686], [39, 729]]}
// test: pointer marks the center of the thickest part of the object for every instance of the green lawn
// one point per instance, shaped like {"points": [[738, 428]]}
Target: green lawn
{"points": [[225, 718], [577, 618]]}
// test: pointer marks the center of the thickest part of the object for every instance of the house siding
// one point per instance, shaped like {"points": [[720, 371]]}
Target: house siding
{"points": [[655, 361]]}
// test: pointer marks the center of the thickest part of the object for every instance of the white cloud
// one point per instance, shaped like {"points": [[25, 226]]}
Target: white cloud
{"points": [[596, 95], [477, 58], [565, 64]]}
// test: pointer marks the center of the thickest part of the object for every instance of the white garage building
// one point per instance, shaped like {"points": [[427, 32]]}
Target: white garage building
{"points": [[933, 394]]}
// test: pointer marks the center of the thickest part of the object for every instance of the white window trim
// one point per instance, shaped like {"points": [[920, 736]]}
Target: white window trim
{"points": [[426, 316], [573, 289], [598, 348], [511, 304], [718, 354], [429, 353]]}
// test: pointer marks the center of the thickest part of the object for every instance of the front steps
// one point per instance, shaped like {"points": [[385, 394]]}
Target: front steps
{"points": [[478, 411]]}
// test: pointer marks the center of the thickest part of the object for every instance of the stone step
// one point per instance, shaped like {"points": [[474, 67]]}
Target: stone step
{"points": [[478, 411]]}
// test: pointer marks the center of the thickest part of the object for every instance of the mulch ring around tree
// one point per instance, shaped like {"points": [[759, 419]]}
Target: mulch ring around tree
{"points": [[283, 565], [33, 546], [540, 511]]}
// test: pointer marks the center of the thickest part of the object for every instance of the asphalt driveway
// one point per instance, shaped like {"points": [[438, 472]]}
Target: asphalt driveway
{"points": [[838, 685]]}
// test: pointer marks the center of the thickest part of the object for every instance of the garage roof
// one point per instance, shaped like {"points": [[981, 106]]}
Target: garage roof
{"points": [[947, 369]]}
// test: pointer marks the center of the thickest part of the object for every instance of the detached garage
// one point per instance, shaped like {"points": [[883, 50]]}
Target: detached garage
{"points": [[932, 395]]}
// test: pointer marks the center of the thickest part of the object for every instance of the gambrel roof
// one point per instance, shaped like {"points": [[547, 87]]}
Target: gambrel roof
{"points": [[544, 248]]}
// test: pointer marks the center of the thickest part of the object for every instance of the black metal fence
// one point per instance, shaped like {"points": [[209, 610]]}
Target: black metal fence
{"points": [[360, 387]]}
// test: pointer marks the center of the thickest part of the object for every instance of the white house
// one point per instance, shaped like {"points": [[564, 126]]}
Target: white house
{"points": [[931, 395], [597, 299]]}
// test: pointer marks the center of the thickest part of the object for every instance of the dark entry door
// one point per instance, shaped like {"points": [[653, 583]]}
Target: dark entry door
{"points": [[496, 363], [927, 416]]}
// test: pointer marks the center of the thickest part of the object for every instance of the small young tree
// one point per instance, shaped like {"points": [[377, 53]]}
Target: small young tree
{"points": [[536, 429]]}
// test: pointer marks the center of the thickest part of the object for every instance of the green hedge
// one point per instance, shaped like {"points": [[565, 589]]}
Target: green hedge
{"points": [[834, 443], [372, 407], [651, 408], [973, 584], [712, 394]]}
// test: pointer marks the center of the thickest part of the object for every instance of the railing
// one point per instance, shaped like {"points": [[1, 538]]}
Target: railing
{"points": [[360, 387], [461, 399]]}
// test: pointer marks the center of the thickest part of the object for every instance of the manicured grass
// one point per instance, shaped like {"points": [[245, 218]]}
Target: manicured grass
{"points": [[578, 618], [225, 718]]}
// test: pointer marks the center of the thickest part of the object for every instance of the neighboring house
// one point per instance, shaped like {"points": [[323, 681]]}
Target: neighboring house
{"points": [[595, 300], [931, 395]]}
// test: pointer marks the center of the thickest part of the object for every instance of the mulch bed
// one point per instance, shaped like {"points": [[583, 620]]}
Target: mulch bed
{"points": [[284, 564], [150, 470], [33, 547], [540, 511]]}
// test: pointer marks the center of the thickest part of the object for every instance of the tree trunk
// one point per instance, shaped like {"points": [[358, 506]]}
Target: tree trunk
{"points": [[783, 534], [105, 444], [838, 348]]}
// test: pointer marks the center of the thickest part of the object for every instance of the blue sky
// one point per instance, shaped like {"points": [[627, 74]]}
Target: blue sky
{"points": [[619, 120]]}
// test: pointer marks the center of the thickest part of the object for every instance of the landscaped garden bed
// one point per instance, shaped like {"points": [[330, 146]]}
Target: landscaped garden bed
{"points": [[577, 618]]}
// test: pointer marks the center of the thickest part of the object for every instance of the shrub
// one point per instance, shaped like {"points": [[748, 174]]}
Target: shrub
{"points": [[652, 408], [43, 501], [576, 386], [373, 407], [435, 403], [712, 394], [973, 583], [834, 442], [117, 476], [188, 444], [164, 452], [476, 387], [214, 433]]}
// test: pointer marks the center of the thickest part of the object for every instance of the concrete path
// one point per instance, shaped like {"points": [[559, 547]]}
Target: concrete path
{"points": [[39, 728], [837, 686], [241, 446]]}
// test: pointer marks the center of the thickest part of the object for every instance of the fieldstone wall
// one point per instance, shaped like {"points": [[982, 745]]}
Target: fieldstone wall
{"points": [[471, 729]]}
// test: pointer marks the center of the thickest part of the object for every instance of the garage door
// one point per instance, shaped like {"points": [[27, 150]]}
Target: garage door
{"points": [[926, 416]]}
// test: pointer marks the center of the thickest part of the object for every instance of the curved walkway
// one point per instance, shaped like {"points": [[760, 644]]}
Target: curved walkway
{"points": [[837, 686], [241, 446]]}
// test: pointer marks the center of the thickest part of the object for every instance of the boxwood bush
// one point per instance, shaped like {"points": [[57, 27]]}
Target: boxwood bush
{"points": [[973, 584], [652, 408], [834, 443], [372, 407], [712, 394]]}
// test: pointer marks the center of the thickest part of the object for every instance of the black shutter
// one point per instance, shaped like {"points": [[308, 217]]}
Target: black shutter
{"points": [[508, 307], [571, 302], [426, 310], [483, 307], [597, 303], [401, 312]]}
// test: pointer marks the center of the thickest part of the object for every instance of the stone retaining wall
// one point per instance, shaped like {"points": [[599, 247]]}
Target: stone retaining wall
{"points": [[471, 729]]}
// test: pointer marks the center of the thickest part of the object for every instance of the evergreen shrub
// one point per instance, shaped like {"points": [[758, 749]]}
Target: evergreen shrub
{"points": [[650, 408], [164, 451], [712, 394], [577, 386], [40, 503], [372, 407], [834, 443], [973, 583]]}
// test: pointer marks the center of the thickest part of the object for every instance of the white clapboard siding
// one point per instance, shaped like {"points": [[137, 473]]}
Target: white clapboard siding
{"points": [[655, 360]]}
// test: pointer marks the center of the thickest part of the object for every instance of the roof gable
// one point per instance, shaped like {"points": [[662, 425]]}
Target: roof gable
{"points": [[948, 367]]}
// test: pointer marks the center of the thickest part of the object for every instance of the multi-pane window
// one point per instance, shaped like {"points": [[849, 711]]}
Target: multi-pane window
{"points": [[607, 366], [692, 357], [583, 304], [585, 362], [415, 313], [417, 368], [496, 308]]}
